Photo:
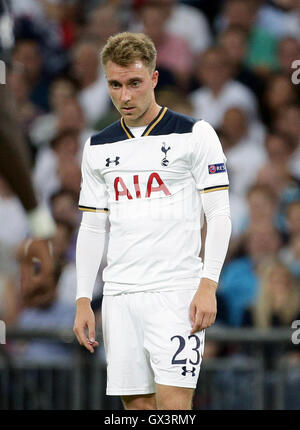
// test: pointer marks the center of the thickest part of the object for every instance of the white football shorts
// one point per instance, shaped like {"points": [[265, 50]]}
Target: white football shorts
{"points": [[147, 341]]}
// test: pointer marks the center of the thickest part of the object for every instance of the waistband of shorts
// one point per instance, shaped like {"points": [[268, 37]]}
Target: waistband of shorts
{"points": [[112, 289]]}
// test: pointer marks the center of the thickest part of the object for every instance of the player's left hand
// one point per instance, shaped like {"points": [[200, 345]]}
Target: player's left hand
{"points": [[203, 309]]}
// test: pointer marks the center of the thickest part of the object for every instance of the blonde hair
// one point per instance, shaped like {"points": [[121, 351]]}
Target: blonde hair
{"points": [[263, 308], [125, 48]]}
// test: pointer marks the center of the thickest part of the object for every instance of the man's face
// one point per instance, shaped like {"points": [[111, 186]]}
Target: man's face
{"points": [[131, 89]]}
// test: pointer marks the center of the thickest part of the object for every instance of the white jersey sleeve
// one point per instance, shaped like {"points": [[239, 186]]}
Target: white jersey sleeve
{"points": [[93, 194], [92, 233], [207, 159], [91, 241], [217, 213]]}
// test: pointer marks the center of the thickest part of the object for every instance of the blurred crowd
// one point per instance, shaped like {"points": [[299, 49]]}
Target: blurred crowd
{"points": [[230, 62]]}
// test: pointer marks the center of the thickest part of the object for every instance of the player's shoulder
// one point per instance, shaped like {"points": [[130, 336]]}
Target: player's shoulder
{"points": [[203, 128], [110, 134], [174, 122]]}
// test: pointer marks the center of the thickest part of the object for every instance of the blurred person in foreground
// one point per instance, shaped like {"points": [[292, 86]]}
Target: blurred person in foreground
{"points": [[15, 168], [157, 297]]}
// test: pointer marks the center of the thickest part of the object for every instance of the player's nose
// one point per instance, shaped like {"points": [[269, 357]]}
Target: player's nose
{"points": [[125, 95]]}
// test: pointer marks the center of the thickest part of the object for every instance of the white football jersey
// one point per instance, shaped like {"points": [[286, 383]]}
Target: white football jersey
{"points": [[150, 187]]}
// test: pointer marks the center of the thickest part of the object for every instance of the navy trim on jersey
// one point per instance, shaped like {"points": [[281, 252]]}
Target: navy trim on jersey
{"points": [[166, 122], [174, 122], [110, 134]]}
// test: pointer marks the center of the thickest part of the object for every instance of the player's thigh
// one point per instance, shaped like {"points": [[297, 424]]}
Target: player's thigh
{"points": [[172, 398], [175, 353], [128, 366]]}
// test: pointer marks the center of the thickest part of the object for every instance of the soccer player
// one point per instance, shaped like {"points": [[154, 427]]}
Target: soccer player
{"points": [[147, 180]]}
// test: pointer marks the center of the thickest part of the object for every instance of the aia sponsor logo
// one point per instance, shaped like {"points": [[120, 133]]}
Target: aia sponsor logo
{"points": [[154, 185]]}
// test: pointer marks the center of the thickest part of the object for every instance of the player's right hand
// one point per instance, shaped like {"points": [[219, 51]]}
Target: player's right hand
{"points": [[85, 319]]}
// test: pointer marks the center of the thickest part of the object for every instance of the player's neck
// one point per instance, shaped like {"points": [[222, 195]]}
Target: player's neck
{"points": [[146, 118]]}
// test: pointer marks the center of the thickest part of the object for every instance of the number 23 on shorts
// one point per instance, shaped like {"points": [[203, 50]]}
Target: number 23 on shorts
{"points": [[196, 351]]}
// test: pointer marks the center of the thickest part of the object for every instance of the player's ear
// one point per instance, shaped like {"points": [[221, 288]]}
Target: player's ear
{"points": [[154, 78]]}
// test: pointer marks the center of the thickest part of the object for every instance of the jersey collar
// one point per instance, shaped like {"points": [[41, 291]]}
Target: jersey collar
{"points": [[150, 126]]}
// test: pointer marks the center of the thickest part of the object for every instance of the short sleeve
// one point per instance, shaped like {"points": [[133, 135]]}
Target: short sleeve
{"points": [[93, 194], [207, 159]]}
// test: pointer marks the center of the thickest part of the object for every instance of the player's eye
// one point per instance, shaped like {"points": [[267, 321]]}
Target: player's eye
{"points": [[135, 84], [114, 85]]}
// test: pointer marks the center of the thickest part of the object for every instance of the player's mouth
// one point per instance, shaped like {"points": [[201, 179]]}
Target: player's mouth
{"points": [[128, 109]]}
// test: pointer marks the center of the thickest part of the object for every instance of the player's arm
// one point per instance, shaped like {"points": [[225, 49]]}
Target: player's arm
{"points": [[203, 308], [90, 246], [209, 171], [91, 240]]}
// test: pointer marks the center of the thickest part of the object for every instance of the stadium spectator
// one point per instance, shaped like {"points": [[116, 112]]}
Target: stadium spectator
{"points": [[290, 255], [244, 155], [173, 52], [12, 210], [293, 20], [175, 100], [283, 184], [55, 162], [64, 207], [278, 300], [72, 116], [63, 241], [262, 208], [234, 41], [279, 93], [277, 305], [261, 49], [273, 16], [55, 25], [218, 92], [239, 281], [184, 21], [27, 56], [287, 122], [288, 52], [293, 218], [61, 90], [86, 68], [27, 112], [102, 22]]}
